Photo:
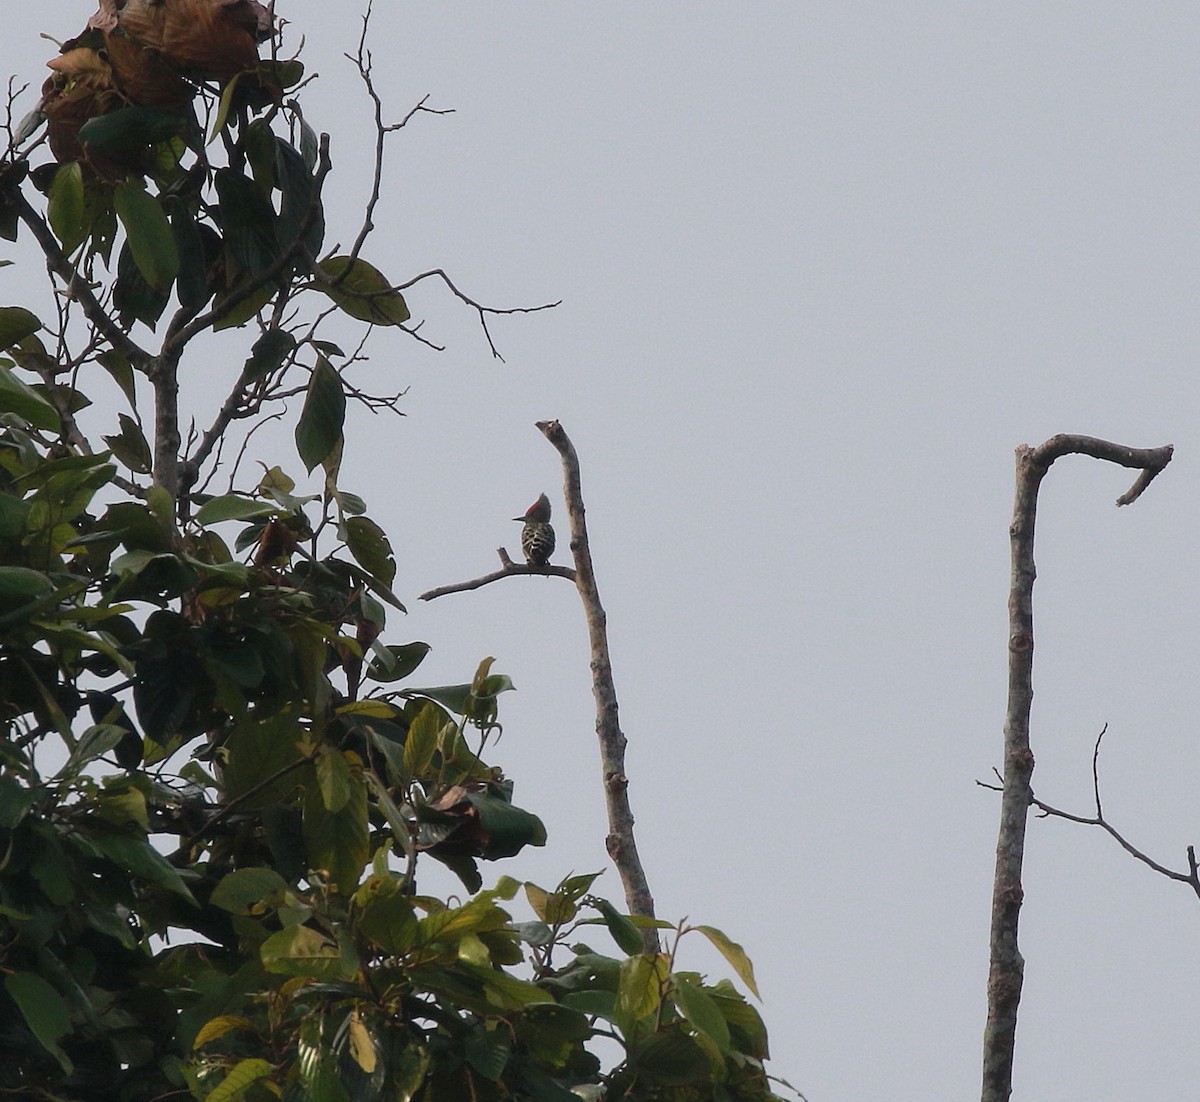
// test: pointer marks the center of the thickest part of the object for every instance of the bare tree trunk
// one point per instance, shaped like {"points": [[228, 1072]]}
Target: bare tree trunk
{"points": [[1006, 971], [619, 842]]}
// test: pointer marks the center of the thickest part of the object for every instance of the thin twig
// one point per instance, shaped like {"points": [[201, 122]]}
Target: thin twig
{"points": [[479, 308], [363, 61], [1191, 877]]}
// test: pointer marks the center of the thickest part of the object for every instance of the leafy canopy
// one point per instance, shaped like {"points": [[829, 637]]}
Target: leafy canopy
{"points": [[217, 777]]}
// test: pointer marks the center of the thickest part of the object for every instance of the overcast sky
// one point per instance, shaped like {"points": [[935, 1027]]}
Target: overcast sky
{"points": [[823, 266]]}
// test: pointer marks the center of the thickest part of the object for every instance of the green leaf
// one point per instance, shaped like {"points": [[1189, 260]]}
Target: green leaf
{"points": [[242, 1076], [192, 285], [283, 74], [130, 447], [53, 871], [148, 234], [122, 373], [362, 291], [257, 750], [44, 1011], [223, 108], [370, 547], [136, 527], [338, 841], [135, 854], [324, 413], [133, 296], [21, 399], [384, 801], [551, 1034], [422, 741], [101, 220], [130, 128], [17, 323], [66, 210], [734, 954], [15, 801], [218, 1027], [624, 932], [298, 194], [487, 1051], [301, 951], [267, 354], [258, 143], [670, 1058], [19, 585], [504, 990], [98, 739], [13, 514], [509, 829], [333, 778], [386, 914], [700, 1010], [233, 507], [245, 309], [640, 986], [350, 503], [457, 698], [248, 221], [239, 890], [395, 661]]}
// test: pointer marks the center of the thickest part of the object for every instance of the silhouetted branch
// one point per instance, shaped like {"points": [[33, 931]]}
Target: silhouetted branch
{"points": [[479, 308], [363, 61], [1191, 877], [1006, 969], [508, 569]]}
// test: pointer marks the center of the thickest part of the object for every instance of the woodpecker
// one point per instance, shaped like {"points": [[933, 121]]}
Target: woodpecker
{"points": [[537, 537]]}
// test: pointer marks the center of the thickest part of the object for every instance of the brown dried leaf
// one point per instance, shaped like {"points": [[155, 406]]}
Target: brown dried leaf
{"points": [[207, 39], [144, 75]]}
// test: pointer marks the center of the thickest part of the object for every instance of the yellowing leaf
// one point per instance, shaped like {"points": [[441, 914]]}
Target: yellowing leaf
{"points": [[362, 1048], [734, 954], [219, 1026]]}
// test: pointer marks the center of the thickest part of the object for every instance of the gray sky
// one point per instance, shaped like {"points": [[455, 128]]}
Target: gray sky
{"points": [[823, 266]]}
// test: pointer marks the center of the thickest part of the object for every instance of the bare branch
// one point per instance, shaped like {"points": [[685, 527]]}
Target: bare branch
{"points": [[363, 61], [479, 308], [508, 569], [1006, 968], [1191, 877], [620, 841]]}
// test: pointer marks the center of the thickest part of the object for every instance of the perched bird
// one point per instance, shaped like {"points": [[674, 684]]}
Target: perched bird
{"points": [[537, 537]]}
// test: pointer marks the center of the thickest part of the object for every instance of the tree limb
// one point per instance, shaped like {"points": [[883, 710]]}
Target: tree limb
{"points": [[506, 570], [620, 841], [1006, 969]]}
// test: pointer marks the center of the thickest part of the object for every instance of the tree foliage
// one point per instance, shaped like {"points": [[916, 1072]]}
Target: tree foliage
{"points": [[217, 775]]}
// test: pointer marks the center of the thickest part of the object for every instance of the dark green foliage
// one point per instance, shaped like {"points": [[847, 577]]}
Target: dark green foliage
{"points": [[217, 779]]}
